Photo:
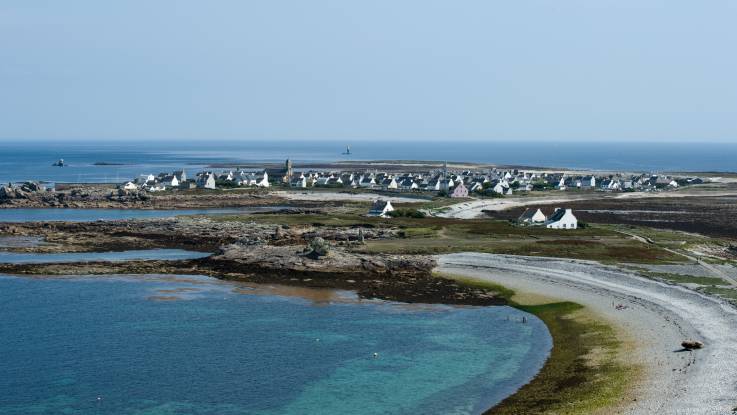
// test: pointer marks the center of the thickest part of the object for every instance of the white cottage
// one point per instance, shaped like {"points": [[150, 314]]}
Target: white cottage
{"points": [[130, 186], [532, 217], [460, 191], [206, 181], [562, 219], [381, 208]]}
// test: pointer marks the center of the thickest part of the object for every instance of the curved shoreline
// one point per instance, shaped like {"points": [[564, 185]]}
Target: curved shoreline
{"points": [[657, 318]]}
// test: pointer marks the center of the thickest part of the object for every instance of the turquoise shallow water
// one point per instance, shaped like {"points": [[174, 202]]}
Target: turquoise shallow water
{"points": [[191, 345]]}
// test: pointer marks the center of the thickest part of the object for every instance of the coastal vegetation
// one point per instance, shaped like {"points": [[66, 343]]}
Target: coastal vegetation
{"points": [[585, 372], [435, 235]]}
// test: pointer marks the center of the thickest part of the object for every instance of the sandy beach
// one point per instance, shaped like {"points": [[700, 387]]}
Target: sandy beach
{"points": [[653, 321]]}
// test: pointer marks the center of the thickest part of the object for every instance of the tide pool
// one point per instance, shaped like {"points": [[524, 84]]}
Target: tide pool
{"points": [[194, 345]]}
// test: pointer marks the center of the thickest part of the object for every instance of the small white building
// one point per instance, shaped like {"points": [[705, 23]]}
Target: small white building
{"points": [[170, 181], [381, 208], [562, 219], [390, 184], [460, 191], [499, 189], [206, 181], [156, 188], [300, 182], [532, 217], [130, 186]]}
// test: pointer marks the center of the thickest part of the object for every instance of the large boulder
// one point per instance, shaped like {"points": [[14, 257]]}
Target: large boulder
{"points": [[692, 344], [32, 187], [318, 247], [7, 192]]}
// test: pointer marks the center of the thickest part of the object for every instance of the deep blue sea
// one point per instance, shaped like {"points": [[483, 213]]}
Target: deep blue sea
{"points": [[193, 345], [32, 160]]}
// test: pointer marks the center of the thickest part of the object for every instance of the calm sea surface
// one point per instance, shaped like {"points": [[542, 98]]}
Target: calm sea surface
{"points": [[113, 256], [191, 345], [89, 215], [21, 161]]}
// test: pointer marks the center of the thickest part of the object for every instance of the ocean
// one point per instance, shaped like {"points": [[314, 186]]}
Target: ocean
{"points": [[193, 345], [20, 161]]}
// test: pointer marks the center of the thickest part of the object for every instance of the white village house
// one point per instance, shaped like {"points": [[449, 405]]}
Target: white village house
{"points": [[381, 208], [460, 191], [206, 181], [130, 186], [532, 217], [562, 219]]}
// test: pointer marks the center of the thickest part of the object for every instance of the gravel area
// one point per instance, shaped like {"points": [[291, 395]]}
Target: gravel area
{"points": [[654, 321]]}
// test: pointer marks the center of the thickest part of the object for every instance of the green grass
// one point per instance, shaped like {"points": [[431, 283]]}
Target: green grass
{"points": [[683, 279], [726, 293], [583, 373], [433, 235]]}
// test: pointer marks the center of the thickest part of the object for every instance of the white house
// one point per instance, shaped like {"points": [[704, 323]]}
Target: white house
{"points": [[409, 184], [562, 219], [298, 182], [532, 217], [156, 188], [390, 184], [170, 181], [130, 186], [181, 175], [381, 208], [588, 182], [145, 178], [206, 181], [264, 181], [460, 191], [367, 181]]}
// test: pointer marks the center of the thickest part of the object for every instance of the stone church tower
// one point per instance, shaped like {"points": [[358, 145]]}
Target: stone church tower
{"points": [[288, 171]]}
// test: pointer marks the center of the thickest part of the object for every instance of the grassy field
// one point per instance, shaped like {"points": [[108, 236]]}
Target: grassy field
{"points": [[433, 235], [584, 373], [683, 279]]}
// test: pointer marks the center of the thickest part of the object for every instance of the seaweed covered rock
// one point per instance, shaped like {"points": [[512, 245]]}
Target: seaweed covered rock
{"points": [[692, 344]]}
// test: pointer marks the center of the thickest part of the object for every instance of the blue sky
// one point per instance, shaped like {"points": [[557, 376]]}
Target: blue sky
{"points": [[384, 70]]}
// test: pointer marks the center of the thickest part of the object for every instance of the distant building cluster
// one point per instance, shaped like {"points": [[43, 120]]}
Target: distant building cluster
{"points": [[460, 184], [494, 181], [202, 180]]}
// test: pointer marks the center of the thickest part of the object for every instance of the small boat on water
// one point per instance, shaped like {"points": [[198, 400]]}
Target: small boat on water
{"points": [[347, 151], [59, 163]]}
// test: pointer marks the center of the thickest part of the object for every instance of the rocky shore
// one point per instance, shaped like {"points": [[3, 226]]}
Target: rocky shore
{"points": [[248, 251], [107, 196]]}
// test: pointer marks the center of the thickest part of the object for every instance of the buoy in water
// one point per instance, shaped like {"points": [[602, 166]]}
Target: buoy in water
{"points": [[376, 355]]}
